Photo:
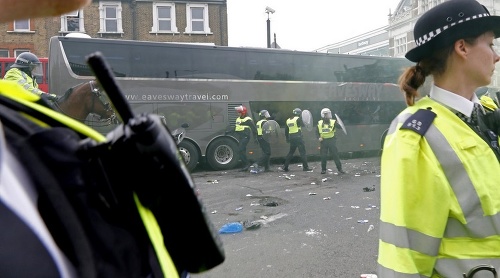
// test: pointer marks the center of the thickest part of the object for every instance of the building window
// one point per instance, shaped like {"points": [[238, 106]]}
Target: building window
{"points": [[197, 19], [110, 14], [4, 53], [22, 25], [164, 18], [72, 22], [400, 45], [19, 51]]}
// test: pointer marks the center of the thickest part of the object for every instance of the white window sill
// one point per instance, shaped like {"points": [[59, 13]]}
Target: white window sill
{"points": [[24, 32], [164, 32], [198, 33]]}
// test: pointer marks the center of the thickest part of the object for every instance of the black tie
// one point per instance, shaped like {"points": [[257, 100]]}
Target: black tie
{"points": [[477, 113]]}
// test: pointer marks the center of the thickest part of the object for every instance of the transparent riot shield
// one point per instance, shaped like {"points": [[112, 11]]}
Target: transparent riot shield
{"points": [[270, 131], [341, 123], [307, 119]]}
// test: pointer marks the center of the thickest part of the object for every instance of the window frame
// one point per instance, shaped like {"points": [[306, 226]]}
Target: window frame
{"points": [[189, 19], [102, 17], [156, 20], [19, 29], [75, 14], [4, 50], [400, 45]]}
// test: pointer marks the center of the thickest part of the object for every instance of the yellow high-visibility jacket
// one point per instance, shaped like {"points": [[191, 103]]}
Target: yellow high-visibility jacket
{"points": [[440, 197], [24, 80]]}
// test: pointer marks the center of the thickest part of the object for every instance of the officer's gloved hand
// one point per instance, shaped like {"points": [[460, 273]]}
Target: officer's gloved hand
{"points": [[52, 97]]}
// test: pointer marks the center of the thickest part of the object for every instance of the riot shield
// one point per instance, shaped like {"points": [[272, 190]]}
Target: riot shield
{"points": [[307, 119], [341, 124], [270, 131]]}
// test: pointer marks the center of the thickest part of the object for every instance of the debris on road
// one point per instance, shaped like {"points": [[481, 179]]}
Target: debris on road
{"points": [[231, 228]]}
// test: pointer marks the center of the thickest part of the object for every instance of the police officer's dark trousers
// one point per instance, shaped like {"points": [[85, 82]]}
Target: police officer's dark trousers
{"points": [[296, 142], [243, 139], [328, 146], [266, 153]]}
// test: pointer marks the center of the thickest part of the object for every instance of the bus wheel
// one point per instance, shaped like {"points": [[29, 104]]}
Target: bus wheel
{"points": [[222, 154], [189, 154]]}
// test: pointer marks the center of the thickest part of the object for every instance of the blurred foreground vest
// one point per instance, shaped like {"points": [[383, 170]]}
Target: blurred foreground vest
{"points": [[108, 220]]}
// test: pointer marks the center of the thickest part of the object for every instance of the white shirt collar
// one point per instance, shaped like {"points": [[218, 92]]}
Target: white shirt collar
{"points": [[453, 100]]}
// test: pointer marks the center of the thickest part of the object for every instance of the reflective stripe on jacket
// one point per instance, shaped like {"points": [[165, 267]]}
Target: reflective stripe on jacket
{"points": [[326, 131], [293, 127], [440, 200], [24, 80], [259, 126]]}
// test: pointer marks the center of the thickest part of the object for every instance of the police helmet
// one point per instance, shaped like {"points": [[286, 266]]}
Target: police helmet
{"points": [[326, 113], [297, 111], [28, 60], [264, 113], [241, 109]]}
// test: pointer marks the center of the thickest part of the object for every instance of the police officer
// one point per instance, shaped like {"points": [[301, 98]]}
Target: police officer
{"points": [[244, 128], [264, 145], [439, 199], [293, 134], [25, 70], [326, 136]]}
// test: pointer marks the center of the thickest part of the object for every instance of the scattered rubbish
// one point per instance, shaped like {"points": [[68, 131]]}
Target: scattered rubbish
{"points": [[240, 208], [313, 183], [325, 179], [368, 189], [292, 175], [348, 218], [253, 225], [263, 217], [357, 175], [254, 204], [271, 204], [370, 228], [337, 192], [214, 212], [288, 190], [213, 181], [312, 193], [378, 176], [249, 195], [288, 178], [327, 198], [355, 207], [313, 232], [231, 228], [368, 276], [363, 221]]}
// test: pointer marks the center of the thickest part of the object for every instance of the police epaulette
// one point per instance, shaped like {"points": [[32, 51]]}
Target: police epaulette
{"points": [[420, 121]]}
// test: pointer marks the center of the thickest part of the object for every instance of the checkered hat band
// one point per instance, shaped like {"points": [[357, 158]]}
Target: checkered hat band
{"points": [[428, 37]]}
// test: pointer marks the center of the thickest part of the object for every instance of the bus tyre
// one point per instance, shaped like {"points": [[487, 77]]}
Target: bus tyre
{"points": [[189, 154], [222, 154]]}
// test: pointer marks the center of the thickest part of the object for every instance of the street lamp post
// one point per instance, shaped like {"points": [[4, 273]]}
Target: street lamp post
{"points": [[269, 10]]}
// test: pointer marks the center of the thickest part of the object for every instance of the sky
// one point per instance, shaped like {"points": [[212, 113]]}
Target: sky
{"points": [[304, 25]]}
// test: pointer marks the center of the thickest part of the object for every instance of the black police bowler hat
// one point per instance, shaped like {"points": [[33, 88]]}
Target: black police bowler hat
{"points": [[448, 22]]}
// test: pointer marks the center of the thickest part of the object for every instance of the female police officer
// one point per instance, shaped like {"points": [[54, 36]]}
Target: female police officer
{"points": [[440, 202]]}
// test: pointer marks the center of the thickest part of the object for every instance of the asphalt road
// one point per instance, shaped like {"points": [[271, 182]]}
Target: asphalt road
{"points": [[296, 224]]}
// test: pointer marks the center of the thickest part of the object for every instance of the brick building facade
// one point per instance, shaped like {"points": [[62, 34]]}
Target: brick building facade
{"points": [[148, 20]]}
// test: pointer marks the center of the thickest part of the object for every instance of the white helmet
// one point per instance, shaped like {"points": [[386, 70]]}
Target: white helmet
{"points": [[326, 113]]}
